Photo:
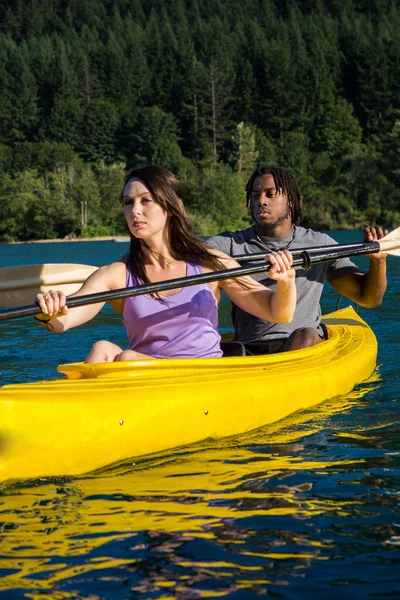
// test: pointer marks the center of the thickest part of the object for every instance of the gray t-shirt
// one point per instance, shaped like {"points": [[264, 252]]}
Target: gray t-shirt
{"points": [[309, 284]]}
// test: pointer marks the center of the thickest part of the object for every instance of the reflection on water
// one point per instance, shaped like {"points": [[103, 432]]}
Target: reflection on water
{"points": [[288, 505]]}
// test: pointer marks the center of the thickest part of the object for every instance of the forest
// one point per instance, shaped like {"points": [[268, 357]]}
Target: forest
{"points": [[208, 88]]}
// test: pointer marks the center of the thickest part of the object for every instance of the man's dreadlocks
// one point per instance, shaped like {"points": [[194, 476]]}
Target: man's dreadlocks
{"points": [[284, 181]]}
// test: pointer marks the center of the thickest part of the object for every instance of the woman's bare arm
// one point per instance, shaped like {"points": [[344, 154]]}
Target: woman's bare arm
{"points": [[276, 306], [56, 315]]}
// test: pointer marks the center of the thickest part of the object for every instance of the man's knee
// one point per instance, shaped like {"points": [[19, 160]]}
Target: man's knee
{"points": [[304, 337]]}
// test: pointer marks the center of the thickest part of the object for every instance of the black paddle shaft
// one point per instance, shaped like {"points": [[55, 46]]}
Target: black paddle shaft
{"points": [[304, 260], [246, 258]]}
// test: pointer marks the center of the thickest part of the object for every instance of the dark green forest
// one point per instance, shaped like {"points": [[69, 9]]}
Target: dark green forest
{"points": [[209, 88]]}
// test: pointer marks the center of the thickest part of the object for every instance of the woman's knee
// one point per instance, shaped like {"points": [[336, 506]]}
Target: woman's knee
{"points": [[127, 355], [132, 355], [102, 351]]}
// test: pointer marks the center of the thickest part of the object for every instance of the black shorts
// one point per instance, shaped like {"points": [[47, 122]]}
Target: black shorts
{"points": [[273, 346], [264, 347]]}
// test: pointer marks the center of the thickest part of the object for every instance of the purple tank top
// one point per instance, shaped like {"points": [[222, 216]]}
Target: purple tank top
{"points": [[184, 325]]}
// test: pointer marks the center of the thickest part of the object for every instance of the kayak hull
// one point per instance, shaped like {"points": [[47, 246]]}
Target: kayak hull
{"points": [[106, 413]]}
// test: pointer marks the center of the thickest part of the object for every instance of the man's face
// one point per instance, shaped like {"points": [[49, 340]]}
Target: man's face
{"points": [[269, 207]]}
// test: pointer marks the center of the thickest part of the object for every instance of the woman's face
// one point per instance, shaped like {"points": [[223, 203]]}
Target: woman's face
{"points": [[144, 216]]}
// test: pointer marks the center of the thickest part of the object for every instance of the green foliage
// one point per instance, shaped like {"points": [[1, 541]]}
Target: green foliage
{"points": [[208, 89], [19, 198], [267, 151], [294, 152], [155, 140], [6, 158], [99, 132], [99, 231], [110, 181], [18, 90], [203, 223], [218, 195], [65, 123], [41, 156]]}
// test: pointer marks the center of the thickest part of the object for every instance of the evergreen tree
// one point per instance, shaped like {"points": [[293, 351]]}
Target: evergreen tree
{"points": [[65, 124], [155, 140], [244, 92], [339, 135], [41, 157], [100, 132], [18, 112], [135, 10], [157, 60], [116, 77]]}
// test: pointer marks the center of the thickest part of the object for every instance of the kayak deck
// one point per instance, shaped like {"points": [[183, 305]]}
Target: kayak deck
{"points": [[109, 412]]}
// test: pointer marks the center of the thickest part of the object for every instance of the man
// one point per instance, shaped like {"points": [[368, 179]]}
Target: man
{"points": [[275, 204]]}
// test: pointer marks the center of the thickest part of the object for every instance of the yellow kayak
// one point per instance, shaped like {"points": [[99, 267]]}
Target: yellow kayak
{"points": [[102, 414]]}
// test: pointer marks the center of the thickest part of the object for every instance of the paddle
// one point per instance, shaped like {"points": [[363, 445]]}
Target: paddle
{"points": [[19, 285], [246, 258], [389, 244]]}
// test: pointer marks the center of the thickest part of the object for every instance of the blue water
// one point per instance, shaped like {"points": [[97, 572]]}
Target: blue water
{"points": [[305, 509]]}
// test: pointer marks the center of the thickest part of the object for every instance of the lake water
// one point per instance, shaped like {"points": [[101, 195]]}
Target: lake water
{"points": [[305, 509]]}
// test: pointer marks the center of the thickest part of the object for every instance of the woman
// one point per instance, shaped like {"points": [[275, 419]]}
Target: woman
{"points": [[176, 323]]}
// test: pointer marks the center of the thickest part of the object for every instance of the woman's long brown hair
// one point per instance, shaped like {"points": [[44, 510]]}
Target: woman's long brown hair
{"points": [[185, 244]]}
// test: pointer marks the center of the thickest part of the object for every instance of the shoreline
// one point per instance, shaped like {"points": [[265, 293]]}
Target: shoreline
{"points": [[107, 238]]}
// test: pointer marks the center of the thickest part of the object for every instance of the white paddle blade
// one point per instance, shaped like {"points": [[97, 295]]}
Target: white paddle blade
{"points": [[20, 285], [391, 243]]}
